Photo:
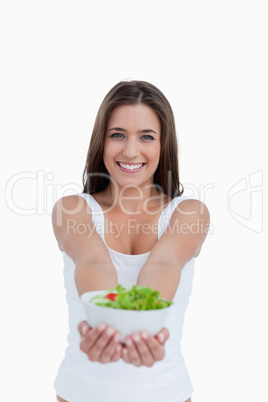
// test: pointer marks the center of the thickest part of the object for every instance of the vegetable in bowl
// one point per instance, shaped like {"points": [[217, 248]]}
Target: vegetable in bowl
{"points": [[127, 310], [134, 298]]}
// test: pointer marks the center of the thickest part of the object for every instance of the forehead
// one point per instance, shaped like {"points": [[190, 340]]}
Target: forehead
{"points": [[134, 117]]}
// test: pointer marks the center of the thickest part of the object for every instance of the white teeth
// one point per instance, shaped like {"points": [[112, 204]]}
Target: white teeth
{"points": [[130, 167]]}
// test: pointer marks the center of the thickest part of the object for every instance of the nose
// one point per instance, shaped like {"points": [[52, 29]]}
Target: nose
{"points": [[131, 148]]}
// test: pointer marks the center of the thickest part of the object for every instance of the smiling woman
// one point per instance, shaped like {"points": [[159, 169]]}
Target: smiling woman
{"points": [[134, 93], [127, 149], [131, 202]]}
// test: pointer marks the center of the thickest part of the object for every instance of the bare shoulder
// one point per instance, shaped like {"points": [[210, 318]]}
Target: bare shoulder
{"points": [[193, 220], [69, 212], [193, 207], [66, 208], [70, 205], [185, 234], [192, 217]]}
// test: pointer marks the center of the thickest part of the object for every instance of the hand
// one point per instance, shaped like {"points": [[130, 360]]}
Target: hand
{"points": [[142, 349], [101, 344]]}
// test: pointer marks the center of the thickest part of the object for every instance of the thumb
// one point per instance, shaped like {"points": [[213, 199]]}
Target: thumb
{"points": [[163, 335], [83, 328]]}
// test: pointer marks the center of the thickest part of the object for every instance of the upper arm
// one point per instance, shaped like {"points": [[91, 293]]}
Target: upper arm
{"points": [[184, 236], [75, 232]]}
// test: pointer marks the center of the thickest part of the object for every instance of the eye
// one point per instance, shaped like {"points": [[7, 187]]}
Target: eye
{"points": [[119, 135], [116, 134], [150, 137]]}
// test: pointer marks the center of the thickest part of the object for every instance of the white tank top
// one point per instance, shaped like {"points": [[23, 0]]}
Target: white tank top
{"points": [[80, 380]]}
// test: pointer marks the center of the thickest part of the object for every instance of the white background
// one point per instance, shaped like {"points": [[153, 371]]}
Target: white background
{"points": [[59, 59]]}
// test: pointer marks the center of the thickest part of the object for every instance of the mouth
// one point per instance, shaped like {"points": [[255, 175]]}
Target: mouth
{"points": [[130, 168]]}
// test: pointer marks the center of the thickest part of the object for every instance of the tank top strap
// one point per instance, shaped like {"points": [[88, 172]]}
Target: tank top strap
{"points": [[97, 213], [165, 217]]}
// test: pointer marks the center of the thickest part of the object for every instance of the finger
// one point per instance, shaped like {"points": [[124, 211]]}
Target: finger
{"points": [[147, 359], [117, 354], [103, 342], [110, 348], [83, 328], [156, 349], [91, 338], [133, 353], [163, 335], [124, 355]]}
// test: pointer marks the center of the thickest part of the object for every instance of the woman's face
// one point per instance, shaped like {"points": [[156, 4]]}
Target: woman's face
{"points": [[132, 139]]}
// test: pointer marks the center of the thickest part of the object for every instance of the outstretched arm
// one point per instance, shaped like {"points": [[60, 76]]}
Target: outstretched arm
{"points": [[181, 242], [162, 271], [77, 237]]}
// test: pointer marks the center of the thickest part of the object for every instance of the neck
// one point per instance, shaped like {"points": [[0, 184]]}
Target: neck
{"points": [[134, 200]]}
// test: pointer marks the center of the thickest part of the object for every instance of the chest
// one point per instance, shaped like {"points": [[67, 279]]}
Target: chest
{"points": [[131, 234]]}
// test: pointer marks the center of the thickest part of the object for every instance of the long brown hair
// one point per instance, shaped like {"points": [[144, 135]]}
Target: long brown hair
{"points": [[166, 178]]}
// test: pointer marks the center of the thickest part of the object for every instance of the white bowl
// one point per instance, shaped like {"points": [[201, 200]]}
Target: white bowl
{"points": [[124, 321]]}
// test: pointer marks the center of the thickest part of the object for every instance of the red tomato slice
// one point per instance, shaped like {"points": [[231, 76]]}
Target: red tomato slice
{"points": [[111, 296]]}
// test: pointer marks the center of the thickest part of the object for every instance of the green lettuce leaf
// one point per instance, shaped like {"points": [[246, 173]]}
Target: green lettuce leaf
{"points": [[134, 298]]}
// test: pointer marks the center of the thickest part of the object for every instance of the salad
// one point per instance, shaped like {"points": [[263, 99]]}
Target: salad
{"points": [[134, 298]]}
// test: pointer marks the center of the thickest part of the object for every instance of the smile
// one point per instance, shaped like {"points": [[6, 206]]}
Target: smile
{"points": [[130, 168]]}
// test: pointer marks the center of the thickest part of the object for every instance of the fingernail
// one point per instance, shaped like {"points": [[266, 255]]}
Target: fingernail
{"points": [[125, 351], [84, 329], [101, 327], [161, 337], [136, 337], [117, 337], [129, 342], [144, 335], [110, 331], [118, 348]]}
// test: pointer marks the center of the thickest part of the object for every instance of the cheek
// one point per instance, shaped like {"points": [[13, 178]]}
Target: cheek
{"points": [[110, 150], [154, 153]]}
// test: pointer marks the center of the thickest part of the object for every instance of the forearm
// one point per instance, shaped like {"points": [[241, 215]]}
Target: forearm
{"points": [[89, 277], [165, 278]]}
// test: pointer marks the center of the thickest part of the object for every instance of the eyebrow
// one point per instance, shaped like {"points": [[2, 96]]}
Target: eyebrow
{"points": [[140, 131]]}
